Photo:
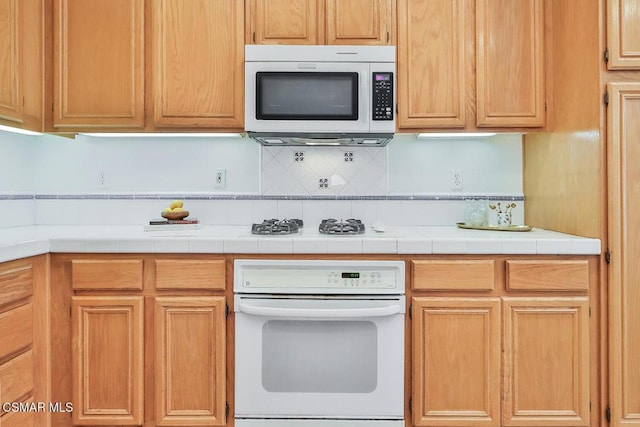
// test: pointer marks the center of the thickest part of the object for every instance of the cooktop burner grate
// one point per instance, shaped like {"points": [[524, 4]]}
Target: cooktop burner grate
{"points": [[277, 226], [349, 226]]}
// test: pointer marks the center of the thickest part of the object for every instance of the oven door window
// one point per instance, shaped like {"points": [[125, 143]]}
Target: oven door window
{"points": [[307, 96], [319, 356]]}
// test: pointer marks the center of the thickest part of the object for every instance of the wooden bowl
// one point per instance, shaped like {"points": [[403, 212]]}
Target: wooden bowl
{"points": [[175, 215]]}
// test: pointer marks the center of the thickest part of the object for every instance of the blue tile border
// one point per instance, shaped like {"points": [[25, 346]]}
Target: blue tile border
{"points": [[163, 196], [17, 197]]}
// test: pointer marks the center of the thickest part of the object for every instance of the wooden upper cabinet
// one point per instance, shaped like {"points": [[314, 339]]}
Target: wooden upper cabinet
{"points": [[11, 79], [318, 22], [198, 63], [98, 64], [432, 38], [359, 22], [510, 63], [623, 34], [623, 134], [285, 22]]}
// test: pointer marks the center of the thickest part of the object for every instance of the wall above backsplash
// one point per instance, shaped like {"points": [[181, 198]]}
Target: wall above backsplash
{"points": [[54, 180], [87, 165]]}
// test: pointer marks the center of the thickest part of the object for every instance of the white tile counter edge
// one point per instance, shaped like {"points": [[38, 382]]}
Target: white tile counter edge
{"points": [[20, 242]]}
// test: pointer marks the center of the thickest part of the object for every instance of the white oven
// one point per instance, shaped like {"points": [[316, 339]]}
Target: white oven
{"points": [[319, 343]]}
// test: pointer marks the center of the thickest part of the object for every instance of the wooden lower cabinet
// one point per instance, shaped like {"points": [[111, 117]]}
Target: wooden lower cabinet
{"points": [[190, 361], [107, 356], [456, 361], [24, 352], [545, 361], [462, 367], [144, 352], [503, 341]]}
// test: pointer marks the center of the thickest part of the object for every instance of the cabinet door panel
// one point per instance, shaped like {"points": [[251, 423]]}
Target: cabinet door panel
{"points": [[286, 22], [359, 22], [510, 63], [10, 61], [190, 360], [16, 330], [456, 361], [623, 34], [623, 134], [431, 58], [16, 379], [98, 64], [107, 360], [16, 282], [546, 361], [198, 63]]}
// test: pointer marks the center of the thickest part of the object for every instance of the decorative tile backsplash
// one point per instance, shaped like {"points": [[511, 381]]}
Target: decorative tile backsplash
{"points": [[322, 171], [53, 180]]}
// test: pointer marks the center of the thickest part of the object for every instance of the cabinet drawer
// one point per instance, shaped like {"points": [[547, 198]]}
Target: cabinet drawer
{"points": [[565, 275], [19, 419], [106, 274], [438, 275], [16, 329], [16, 378], [16, 282], [190, 274]]}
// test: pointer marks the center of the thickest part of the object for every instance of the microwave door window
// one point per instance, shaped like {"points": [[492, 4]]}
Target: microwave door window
{"points": [[306, 96]]}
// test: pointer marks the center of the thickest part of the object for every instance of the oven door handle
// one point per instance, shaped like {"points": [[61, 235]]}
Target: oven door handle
{"points": [[319, 313]]}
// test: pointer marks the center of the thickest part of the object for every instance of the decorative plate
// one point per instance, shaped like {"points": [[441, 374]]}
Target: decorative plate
{"points": [[495, 227]]}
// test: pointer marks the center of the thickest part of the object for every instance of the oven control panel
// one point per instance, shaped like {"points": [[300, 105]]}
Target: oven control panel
{"points": [[309, 276]]}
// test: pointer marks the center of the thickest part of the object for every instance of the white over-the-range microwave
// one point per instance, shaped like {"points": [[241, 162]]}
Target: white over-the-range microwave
{"points": [[331, 95]]}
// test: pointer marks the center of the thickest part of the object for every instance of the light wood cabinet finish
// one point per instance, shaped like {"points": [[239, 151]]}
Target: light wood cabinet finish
{"points": [[18, 419], [285, 22], [441, 274], [190, 274], [432, 39], [623, 134], [24, 340], [107, 360], [11, 64], [16, 330], [190, 360], [319, 22], [198, 63], [16, 378], [106, 274], [567, 275], [546, 361], [623, 34], [98, 64], [456, 361], [353, 22], [16, 282], [510, 63]]}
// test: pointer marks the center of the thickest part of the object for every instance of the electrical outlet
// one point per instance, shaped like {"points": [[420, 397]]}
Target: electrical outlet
{"points": [[102, 178], [221, 178], [456, 179]]}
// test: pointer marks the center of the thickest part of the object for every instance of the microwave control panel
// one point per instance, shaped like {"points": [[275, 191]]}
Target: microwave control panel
{"points": [[382, 96]]}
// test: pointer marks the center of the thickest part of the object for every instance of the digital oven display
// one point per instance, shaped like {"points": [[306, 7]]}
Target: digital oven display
{"points": [[350, 275]]}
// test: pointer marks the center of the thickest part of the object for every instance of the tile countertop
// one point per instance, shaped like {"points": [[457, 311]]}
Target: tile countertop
{"points": [[20, 242]]}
